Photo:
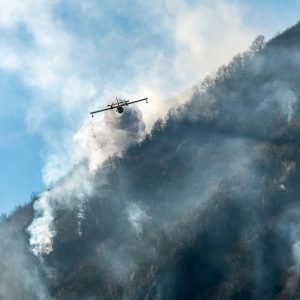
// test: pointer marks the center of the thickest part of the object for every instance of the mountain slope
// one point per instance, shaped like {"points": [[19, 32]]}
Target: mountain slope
{"points": [[205, 207]]}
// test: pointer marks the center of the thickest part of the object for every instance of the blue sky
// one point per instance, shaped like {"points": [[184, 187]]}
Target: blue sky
{"points": [[59, 59]]}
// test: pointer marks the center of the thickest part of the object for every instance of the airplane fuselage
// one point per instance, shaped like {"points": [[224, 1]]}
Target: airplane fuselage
{"points": [[120, 109]]}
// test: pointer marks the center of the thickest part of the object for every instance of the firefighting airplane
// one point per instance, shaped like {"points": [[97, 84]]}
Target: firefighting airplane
{"points": [[118, 105]]}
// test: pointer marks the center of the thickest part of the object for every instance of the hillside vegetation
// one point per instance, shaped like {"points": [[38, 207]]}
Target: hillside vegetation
{"points": [[205, 207]]}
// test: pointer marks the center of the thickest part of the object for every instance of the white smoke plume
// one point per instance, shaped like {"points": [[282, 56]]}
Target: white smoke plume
{"points": [[137, 217], [95, 143], [66, 193], [58, 68], [19, 276]]}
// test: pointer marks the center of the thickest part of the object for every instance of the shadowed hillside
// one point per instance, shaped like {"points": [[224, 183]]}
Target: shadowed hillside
{"points": [[205, 207]]}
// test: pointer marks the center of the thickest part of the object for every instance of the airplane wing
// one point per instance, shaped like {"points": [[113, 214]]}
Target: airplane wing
{"points": [[116, 105], [131, 102], [97, 111]]}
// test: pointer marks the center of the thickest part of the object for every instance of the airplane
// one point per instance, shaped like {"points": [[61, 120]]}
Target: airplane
{"points": [[118, 105]]}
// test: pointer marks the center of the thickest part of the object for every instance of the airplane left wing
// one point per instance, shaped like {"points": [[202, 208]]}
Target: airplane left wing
{"points": [[135, 101]]}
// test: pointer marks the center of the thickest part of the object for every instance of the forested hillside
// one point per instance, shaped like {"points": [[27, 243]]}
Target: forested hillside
{"points": [[205, 207]]}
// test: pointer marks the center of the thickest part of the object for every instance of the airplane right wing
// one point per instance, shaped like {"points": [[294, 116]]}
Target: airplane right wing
{"points": [[97, 111]]}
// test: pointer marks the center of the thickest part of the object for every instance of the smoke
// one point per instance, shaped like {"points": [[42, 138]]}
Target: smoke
{"points": [[66, 193], [20, 277], [205, 206], [95, 142], [137, 217], [66, 72]]}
